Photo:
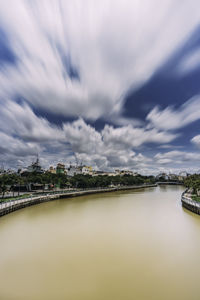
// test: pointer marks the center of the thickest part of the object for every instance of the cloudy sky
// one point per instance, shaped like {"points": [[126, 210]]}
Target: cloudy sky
{"points": [[111, 83]]}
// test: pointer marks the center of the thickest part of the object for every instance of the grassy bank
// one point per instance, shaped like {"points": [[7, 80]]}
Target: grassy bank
{"points": [[14, 198], [196, 198]]}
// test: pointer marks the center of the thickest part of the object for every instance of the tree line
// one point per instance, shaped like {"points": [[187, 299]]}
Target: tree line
{"points": [[193, 182], [77, 181]]}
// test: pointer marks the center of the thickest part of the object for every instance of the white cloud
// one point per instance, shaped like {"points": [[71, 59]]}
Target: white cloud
{"points": [[20, 120], [16, 147], [113, 45], [196, 140], [24, 133], [133, 137], [189, 62], [171, 118], [177, 157], [112, 147], [85, 139], [82, 137], [107, 149]]}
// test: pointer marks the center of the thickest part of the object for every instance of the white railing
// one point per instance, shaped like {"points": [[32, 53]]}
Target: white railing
{"points": [[187, 199], [12, 204]]}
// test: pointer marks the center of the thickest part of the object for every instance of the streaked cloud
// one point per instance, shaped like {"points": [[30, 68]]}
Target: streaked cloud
{"points": [[20, 120], [111, 47], [173, 118], [78, 60], [16, 147], [177, 157]]}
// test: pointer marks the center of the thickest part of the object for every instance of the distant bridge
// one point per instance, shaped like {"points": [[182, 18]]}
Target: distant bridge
{"points": [[170, 182]]}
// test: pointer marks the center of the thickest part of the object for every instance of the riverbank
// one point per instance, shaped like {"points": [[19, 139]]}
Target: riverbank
{"points": [[190, 204], [11, 206]]}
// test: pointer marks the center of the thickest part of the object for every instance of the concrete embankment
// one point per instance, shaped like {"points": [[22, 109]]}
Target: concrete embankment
{"points": [[190, 204], [10, 206], [169, 183]]}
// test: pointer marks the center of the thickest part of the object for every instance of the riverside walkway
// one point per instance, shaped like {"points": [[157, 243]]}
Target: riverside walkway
{"points": [[190, 204], [12, 205]]}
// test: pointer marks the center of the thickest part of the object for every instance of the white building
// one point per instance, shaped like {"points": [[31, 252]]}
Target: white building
{"points": [[125, 172], [74, 170], [87, 170], [35, 167], [183, 174]]}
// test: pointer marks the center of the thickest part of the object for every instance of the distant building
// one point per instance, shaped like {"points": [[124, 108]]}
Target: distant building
{"points": [[52, 170], [111, 174], [103, 173], [183, 174], [21, 171], [74, 170], [71, 171], [8, 171], [87, 170], [36, 187], [35, 167], [60, 169], [100, 173], [173, 177], [162, 176], [125, 172]]}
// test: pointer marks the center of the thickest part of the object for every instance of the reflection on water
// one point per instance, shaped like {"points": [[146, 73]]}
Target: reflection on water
{"points": [[124, 245]]}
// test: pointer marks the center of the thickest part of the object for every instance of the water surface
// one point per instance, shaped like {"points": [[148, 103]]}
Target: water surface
{"points": [[113, 246]]}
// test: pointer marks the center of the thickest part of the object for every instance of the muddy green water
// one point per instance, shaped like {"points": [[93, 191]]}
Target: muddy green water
{"points": [[130, 245]]}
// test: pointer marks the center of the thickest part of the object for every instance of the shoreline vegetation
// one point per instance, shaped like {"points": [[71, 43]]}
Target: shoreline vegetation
{"points": [[18, 191], [196, 198], [192, 184], [191, 197], [16, 185]]}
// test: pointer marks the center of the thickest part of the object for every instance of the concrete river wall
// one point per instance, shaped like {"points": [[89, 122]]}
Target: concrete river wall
{"points": [[190, 204], [10, 206]]}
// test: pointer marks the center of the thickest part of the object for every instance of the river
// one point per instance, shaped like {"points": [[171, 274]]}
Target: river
{"points": [[130, 245]]}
